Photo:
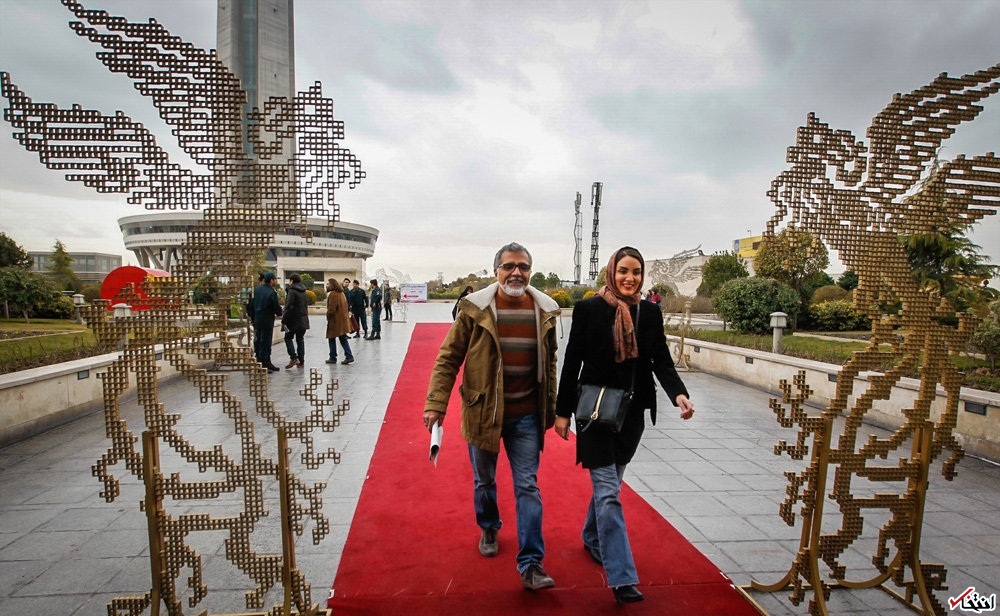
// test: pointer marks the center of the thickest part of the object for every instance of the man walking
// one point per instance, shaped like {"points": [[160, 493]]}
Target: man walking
{"points": [[359, 301], [375, 301], [295, 321], [505, 335], [262, 309]]}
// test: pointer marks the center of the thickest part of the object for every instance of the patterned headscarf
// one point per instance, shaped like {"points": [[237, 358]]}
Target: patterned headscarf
{"points": [[623, 329]]}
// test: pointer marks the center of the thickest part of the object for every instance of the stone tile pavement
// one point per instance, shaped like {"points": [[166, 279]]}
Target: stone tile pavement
{"points": [[64, 550]]}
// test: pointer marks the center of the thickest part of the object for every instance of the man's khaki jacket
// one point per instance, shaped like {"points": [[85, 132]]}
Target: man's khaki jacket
{"points": [[473, 339]]}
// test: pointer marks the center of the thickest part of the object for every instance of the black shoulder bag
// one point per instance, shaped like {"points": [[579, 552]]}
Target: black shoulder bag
{"points": [[605, 406]]}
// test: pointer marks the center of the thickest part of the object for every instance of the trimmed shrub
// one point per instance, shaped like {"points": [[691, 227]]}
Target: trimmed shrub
{"points": [[320, 294], [310, 297], [589, 294], [747, 303], [828, 293], [91, 292], [562, 298], [701, 305], [837, 315]]}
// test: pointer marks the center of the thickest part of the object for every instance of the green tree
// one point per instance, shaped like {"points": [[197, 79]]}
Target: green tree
{"points": [[720, 269], [23, 291], [307, 281], [11, 253], [61, 269], [538, 280], [947, 263], [747, 303], [794, 257], [205, 290], [986, 338], [848, 280], [552, 281], [601, 277]]}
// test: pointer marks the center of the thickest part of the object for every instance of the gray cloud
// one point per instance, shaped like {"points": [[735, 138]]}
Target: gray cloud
{"points": [[477, 122]]}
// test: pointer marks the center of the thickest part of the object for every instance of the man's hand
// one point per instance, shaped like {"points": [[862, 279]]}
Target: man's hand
{"points": [[562, 427], [431, 418], [687, 408]]}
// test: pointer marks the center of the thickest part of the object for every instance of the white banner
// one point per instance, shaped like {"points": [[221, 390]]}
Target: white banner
{"points": [[413, 293]]}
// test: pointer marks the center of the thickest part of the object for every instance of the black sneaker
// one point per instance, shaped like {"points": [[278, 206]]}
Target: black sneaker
{"points": [[272, 368], [488, 543], [348, 361], [535, 578]]}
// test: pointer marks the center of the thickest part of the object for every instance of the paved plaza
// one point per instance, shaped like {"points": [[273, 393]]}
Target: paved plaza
{"points": [[64, 550]]}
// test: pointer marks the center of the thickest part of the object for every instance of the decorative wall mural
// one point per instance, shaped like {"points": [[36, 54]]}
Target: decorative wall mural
{"points": [[859, 199], [258, 174]]}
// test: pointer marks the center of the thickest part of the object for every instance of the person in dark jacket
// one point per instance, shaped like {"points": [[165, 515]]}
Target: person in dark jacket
{"points": [[387, 301], [295, 321], [375, 301], [454, 311], [262, 309], [358, 301], [615, 337]]}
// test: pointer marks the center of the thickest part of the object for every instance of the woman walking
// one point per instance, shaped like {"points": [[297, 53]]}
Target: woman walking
{"points": [[338, 322], [616, 340]]}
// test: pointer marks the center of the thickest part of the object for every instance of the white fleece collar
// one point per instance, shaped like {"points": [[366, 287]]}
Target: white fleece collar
{"points": [[484, 298]]}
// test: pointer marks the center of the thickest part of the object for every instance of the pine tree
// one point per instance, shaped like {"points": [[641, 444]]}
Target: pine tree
{"points": [[61, 269]]}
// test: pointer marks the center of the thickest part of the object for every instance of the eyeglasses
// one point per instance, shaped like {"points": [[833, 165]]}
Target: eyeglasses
{"points": [[509, 267]]}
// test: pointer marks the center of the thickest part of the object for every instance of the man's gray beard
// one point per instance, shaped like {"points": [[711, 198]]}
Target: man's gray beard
{"points": [[513, 291]]}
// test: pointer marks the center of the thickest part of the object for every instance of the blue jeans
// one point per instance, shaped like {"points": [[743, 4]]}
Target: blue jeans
{"points": [[343, 343], [605, 526], [520, 436]]}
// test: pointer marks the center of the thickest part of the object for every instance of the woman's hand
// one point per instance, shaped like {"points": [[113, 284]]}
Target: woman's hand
{"points": [[687, 408], [431, 418], [562, 427]]}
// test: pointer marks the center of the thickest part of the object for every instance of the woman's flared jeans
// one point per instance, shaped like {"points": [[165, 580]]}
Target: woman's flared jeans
{"points": [[605, 526]]}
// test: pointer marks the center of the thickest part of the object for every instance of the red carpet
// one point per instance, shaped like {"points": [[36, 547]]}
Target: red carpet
{"points": [[412, 548]]}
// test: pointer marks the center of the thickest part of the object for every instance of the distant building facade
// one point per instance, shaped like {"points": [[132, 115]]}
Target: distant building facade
{"points": [[91, 267], [340, 252], [748, 247]]}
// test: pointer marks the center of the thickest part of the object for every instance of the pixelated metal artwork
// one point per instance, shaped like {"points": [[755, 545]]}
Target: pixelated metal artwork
{"points": [[859, 199], [269, 174]]}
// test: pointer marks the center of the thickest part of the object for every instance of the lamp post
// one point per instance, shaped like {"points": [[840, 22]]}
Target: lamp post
{"points": [[122, 311], [779, 321], [79, 300]]}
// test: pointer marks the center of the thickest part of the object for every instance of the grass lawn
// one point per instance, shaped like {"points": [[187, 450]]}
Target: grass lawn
{"points": [[975, 371], [27, 345]]}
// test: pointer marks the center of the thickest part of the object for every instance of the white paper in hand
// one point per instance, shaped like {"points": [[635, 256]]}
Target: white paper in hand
{"points": [[437, 433]]}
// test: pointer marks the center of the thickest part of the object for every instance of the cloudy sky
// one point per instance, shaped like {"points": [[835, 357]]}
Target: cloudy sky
{"points": [[478, 122]]}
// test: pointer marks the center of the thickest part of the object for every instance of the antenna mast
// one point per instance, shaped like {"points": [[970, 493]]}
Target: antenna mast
{"points": [[578, 239], [595, 202]]}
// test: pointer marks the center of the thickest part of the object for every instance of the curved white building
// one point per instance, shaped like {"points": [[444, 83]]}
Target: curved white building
{"points": [[338, 252]]}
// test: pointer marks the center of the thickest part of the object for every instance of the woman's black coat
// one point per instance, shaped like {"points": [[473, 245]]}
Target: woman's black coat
{"points": [[590, 358]]}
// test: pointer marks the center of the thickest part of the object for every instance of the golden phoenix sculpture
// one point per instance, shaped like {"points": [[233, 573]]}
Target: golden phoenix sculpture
{"points": [[261, 171], [859, 199]]}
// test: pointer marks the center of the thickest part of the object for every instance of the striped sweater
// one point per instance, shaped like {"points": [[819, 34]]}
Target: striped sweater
{"points": [[516, 325]]}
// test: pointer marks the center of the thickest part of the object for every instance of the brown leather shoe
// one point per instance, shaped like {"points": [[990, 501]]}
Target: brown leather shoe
{"points": [[488, 543], [535, 578], [292, 364]]}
